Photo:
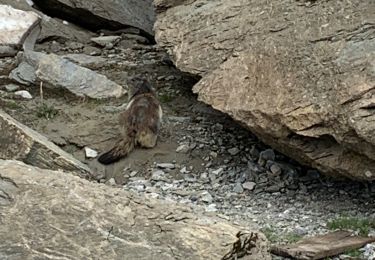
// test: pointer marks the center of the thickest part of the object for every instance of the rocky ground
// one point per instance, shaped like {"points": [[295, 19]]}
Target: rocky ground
{"points": [[203, 158]]}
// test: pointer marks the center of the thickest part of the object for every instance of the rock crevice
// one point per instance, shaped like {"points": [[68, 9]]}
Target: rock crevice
{"points": [[99, 14], [299, 75]]}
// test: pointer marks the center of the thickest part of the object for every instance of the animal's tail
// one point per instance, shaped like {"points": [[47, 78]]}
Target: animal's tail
{"points": [[121, 149]]}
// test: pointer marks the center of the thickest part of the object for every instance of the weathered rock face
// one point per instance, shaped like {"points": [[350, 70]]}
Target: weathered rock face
{"points": [[52, 28], [48, 215], [300, 75], [57, 72], [18, 29], [18, 142], [102, 14]]}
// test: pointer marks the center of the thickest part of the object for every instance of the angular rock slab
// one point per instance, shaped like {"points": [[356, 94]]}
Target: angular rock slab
{"points": [[323, 246], [52, 215], [101, 14], [52, 28], [19, 142], [17, 29], [57, 72], [300, 78]]}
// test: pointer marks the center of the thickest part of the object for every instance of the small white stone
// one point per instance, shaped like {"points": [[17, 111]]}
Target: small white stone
{"points": [[184, 148], [153, 195], [90, 153], [65, 22], [111, 182], [213, 154], [184, 170], [158, 175], [204, 175], [218, 171], [24, 94], [211, 208], [206, 197], [233, 151]]}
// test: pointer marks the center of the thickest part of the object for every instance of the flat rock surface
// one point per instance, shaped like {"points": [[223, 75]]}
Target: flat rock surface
{"points": [[49, 215], [256, 66], [323, 246], [57, 72]]}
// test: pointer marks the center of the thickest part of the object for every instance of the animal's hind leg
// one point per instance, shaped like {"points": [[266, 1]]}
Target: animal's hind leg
{"points": [[147, 139]]}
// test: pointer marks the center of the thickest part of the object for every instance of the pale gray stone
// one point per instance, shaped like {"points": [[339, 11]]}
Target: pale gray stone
{"points": [[249, 185], [56, 72], [18, 29]]}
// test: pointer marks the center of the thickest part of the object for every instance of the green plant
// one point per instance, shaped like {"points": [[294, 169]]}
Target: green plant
{"points": [[292, 237], [362, 225], [354, 253], [46, 111], [270, 234], [13, 105]]}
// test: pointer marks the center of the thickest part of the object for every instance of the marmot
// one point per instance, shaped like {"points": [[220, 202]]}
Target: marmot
{"points": [[140, 122]]}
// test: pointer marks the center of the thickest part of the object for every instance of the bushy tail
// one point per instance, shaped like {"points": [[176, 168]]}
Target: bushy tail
{"points": [[121, 149]]}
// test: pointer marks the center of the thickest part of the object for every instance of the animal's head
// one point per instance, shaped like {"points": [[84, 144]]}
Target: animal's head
{"points": [[139, 85]]}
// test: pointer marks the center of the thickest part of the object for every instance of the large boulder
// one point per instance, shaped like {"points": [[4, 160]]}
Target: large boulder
{"points": [[57, 72], [103, 14], [18, 29], [299, 74], [52, 28], [54, 215]]}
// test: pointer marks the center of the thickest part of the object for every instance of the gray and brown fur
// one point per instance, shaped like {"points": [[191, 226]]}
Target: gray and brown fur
{"points": [[140, 122]]}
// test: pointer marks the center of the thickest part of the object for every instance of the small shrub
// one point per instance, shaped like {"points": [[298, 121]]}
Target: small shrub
{"points": [[46, 111]]}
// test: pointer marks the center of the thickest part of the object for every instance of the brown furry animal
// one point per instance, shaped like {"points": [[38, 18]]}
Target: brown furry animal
{"points": [[139, 122]]}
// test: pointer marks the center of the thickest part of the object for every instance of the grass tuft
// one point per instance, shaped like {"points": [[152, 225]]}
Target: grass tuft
{"points": [[46, 111], [13, 105], [270, 234], [293, 237], [354, 253], [362, 225]]}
